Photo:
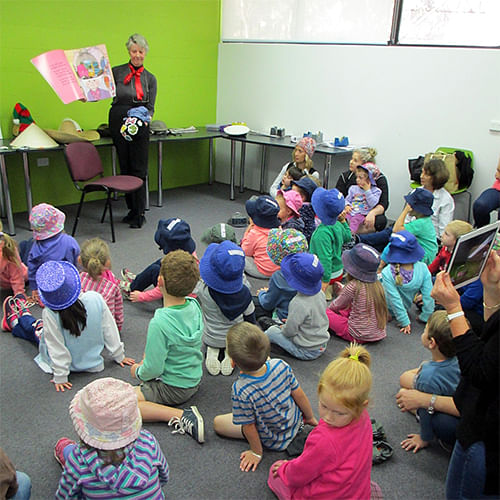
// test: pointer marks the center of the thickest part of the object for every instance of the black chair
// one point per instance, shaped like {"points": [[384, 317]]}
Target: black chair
{"points": [[87, 174]]}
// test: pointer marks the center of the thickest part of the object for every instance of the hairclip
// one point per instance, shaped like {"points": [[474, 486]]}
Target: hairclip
{"points": [[354, 356]]}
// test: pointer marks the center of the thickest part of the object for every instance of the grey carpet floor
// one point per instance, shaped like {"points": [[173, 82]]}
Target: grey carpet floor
{"points": [[33, 415]]}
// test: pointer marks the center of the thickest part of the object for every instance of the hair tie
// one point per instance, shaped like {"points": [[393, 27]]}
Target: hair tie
{"points": [[354, 356]]}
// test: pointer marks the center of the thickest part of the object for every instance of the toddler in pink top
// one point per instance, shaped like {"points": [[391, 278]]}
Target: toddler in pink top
{"points": [[337, 457], [13, 273]]}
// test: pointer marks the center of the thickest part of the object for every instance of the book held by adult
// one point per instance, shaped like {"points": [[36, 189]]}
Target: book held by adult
{"points": [[78, 73]]}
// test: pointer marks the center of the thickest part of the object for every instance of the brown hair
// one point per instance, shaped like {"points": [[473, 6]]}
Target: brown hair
{"points": [[375, 297], [9, 249], [437, 170], [94, 255], [438, 328], [248, 346], [180, 273]]}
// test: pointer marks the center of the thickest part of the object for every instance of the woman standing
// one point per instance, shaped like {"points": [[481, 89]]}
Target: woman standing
{"points": [[129, 118]]}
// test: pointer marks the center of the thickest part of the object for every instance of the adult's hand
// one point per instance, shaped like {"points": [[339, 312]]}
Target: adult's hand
{"points": [[490, 277], [444, 293], [369, 222], [411, 400]]}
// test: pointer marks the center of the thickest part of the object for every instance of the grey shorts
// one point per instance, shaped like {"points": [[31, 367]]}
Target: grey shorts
{"points": [[157, 391]]}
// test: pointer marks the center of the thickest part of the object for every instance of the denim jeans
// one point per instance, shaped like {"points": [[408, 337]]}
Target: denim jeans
{"points": [[25, 329], [439, 425], [488, 201], [24, 486], [378, 240], [276, 337], [146, 278]]}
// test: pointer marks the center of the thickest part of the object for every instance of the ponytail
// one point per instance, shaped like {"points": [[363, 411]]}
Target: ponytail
{"points": [[74, 318], [398, 277]]}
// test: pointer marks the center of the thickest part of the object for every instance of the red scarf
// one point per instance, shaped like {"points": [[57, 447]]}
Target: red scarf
{"points": [[138, 86]]}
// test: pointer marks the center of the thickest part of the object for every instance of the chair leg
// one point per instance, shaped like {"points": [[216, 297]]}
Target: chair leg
{"points": [[111, 217], [78, 214], [105, 208], [469, 206]]}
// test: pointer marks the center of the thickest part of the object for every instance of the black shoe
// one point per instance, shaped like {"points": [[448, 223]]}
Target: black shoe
{"points": [[266, 322], [137, 222], [129, 217]]}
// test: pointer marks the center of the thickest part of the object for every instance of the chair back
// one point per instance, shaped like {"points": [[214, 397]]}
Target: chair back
{"points": [[83, 160], [465, 166]]}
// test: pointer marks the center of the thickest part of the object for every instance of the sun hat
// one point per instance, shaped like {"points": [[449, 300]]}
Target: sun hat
{"points": [[218, 233], [361, 262], [293, 200], [69, 131], [105, 414], [283, 242], [222, 265], [308, 144], [46, 221], [306, 184], [303, 271], [58, 284], [421, 200], [174, 234], [33, 137], [158, 127], [328, 204], [264, 211], [404, 248], [370, 169]]}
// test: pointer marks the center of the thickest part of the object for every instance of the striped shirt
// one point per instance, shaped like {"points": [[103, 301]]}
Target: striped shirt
{"points": [[140, 475], [267, 402], [110, 293]]}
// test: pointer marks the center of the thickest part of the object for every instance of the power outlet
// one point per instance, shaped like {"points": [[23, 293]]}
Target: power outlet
{"points": [[42, 162], [495, 125]]}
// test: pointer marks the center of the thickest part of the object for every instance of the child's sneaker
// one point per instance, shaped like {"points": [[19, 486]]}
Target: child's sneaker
{"points": [[38, 328], [10, 314], [212, 361], [191, 422], [21, 304], [127, 275], [59, 449], [226, 367]]}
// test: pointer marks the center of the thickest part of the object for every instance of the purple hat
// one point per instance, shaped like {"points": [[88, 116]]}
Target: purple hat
{"points": [[46, 221], [222, 265], [421, 201], [404, 249], [303, 271], [293, 200], [328, 204], [362, 262], [105, 414], [370, 169], [58, 284], [308, 185], [174, 234], [308, 144], [283, 242], [264, 211]]}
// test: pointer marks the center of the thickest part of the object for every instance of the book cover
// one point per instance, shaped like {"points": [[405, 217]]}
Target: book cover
{"points": [[78, 74]]}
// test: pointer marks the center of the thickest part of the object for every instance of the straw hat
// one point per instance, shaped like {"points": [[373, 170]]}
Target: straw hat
{"points": [[69, 131], [33, 137]]}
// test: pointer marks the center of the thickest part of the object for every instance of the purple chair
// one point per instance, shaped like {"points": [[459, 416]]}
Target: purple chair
{"points": [[87, 174]]}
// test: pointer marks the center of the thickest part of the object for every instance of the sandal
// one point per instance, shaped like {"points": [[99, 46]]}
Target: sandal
{"points": [[382, 451]]}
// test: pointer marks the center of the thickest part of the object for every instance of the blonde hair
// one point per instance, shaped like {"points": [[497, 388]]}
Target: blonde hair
{"points": [[94, 255], [308, 162], [248, 346], [348, 379], [9, 248], [398, 278], [458, 228], [375, 296], [314, 179], [438, 328], [367, 154]]}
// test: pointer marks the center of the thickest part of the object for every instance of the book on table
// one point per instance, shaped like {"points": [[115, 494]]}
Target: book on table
{"points": [[78, 74]]}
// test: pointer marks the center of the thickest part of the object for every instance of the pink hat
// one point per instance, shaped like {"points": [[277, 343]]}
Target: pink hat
{"points": [[308, 144], [293, 200], [46, 221], [105, 414]]}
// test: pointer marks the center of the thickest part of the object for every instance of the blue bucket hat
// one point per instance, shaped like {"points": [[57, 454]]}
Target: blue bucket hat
{"points": [[303, 271], [222, 265], [421, 200], [362, 262], [328, 204], [59, 284], [174, 234], [308, 185], [404, 249], [264, 211]]}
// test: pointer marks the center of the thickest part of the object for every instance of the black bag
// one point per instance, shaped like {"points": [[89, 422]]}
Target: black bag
{"points": [[415, 168], [465, 171]]}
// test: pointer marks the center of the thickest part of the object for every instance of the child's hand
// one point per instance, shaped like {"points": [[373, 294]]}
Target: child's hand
{"points": [[310, 421], [406, 329], [64, 385], [263, 289], [276, 466], [347, 210], [127, 361], [134, 296], [36, 297], [249, 461], [413, 442], [341, 218]]}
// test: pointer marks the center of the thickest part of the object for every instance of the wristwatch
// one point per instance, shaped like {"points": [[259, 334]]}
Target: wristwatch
{"points": [[430, 410]]}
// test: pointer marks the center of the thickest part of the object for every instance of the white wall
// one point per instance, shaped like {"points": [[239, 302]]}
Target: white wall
{"points": [[404, 101]]}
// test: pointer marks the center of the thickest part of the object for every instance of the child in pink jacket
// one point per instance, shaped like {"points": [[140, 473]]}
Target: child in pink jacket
{"points": [[13, 273]]}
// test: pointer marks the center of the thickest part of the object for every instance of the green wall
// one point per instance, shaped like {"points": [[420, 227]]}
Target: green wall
{"points": [[183, 36]]}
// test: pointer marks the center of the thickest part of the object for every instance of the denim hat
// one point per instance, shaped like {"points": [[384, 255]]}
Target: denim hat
{"points": [[308, 185], [46, 221], [218, 233], [283, 242], [105, 414], [404, 249], [328, 204], [361, 262], [303, 271], [293, 200], [421, 201], [174, 234], [264, 211], [222, 265], [58, 284]]}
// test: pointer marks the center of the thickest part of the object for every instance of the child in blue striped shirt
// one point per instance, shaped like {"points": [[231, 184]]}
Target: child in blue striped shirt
{"points": [[269, 407]]}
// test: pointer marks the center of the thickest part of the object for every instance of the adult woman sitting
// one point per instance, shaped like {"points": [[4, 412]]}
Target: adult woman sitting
{"points": [[375, 220], [129, 118], [473, 468], [488, 201]]}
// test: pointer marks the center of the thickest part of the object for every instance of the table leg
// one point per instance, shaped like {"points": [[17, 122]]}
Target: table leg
{"points": [[242, 167], [210, 161], [8, 203], [233, 161], [2, 199], [27, 181], [326, 172], [160, 174], [263, 168]]}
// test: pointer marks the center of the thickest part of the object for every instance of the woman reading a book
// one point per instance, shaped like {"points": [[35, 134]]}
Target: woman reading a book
{"points": [[129, 118]]}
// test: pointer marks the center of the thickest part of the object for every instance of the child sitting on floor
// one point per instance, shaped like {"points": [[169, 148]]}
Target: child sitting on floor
{"points": [[13, 273], [306, 186], [290, 203], [438, 377], [225, 300], [269, 406], [116, 457]]}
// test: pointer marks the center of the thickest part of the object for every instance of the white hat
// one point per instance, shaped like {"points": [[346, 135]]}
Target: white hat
{"points": [[69, 131], [33, 137]]}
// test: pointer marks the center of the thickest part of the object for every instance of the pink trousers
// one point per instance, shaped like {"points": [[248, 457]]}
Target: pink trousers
{"points": [[278, 487], [339, 324]]}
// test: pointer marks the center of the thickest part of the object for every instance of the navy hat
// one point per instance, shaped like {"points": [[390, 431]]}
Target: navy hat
{"points": [[222, 265], [362, 262], [328, 204], [264, 211], [59, 284], [174, 234], [303, 271], [421, 201], [404, 249], [308, 185]]}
